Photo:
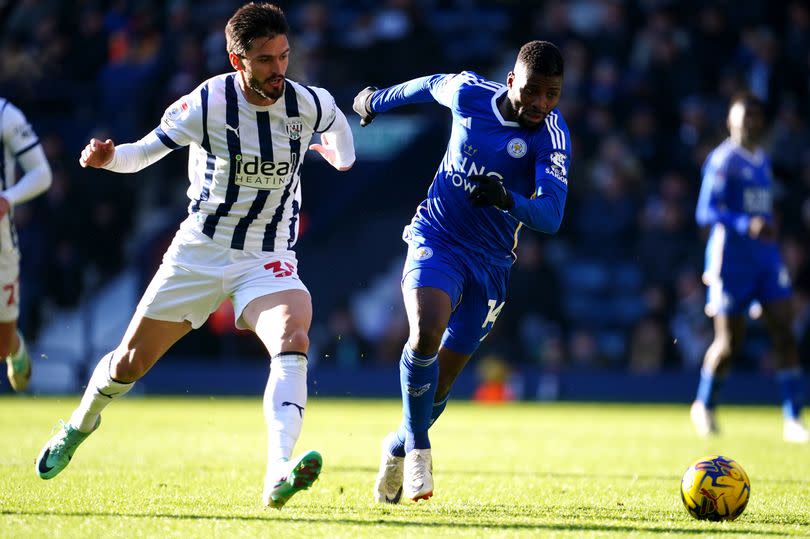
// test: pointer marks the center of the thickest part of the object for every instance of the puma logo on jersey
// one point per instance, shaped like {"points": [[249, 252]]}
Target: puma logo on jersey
{"points": [[231, 128]]}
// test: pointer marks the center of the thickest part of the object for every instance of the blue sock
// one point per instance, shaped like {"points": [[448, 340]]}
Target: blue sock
{"points": [[397, 447], [790, 385], [707, 388], [418, 376]]}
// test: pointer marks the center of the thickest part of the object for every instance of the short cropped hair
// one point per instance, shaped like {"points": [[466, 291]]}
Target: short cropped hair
{"points": [[541, 57], [251, 21]]}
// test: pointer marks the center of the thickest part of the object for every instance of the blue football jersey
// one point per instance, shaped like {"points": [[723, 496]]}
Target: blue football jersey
{"points": [[531, 163], [737, 185]]}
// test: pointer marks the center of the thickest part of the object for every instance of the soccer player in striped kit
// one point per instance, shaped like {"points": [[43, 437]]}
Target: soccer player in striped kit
{"points": [[246, 132], [743, 264], [506, 166], [18, 144]]}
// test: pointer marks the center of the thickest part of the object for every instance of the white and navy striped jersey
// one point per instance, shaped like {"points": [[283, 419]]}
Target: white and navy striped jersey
{"points": [[244, 160], [19, 144]]}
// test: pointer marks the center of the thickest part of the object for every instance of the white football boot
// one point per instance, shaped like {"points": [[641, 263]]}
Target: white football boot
{"points": [[703, 419], [388, 485], [418, 483], [795, 432]]}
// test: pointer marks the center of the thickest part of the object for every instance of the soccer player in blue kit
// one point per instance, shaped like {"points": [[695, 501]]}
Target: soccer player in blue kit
{"points": [[743, 265], [506, 166]]}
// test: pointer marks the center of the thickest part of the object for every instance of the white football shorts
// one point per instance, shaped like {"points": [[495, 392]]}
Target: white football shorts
{"points": [[197, 275], [9, 285]]}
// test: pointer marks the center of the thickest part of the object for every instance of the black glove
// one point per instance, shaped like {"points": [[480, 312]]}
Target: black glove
{"points": [[362, 105], [490, 192]]}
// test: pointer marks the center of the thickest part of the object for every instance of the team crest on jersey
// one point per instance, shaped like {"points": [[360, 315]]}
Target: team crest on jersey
{"points": [[558, 167], [517, 148], [294, 128], [422, 253]]}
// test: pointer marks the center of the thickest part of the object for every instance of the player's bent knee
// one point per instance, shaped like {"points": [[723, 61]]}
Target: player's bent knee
{"points": [[296, 340], [128, 366], [426, 340]]}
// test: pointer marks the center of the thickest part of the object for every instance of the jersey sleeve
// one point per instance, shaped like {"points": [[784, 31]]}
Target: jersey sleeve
{"points": [[18, 135], [712, 206], [443, 89], [181, 123], [325, 109], [543, 211], [22, 141]]}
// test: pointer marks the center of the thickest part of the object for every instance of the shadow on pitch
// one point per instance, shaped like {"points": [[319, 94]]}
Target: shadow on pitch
{"points": [[562, 475], [396, 523]]}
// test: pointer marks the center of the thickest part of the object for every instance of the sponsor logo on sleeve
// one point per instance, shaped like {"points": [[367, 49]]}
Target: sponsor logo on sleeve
{"points": [[23, 132], [558, 167], [177, 112]]}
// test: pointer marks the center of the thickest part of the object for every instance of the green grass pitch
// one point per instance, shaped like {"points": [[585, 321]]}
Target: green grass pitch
{"points": [[193, 467]]}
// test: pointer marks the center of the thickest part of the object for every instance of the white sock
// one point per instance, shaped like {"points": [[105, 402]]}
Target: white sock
{"points": [[285, 398], [101, 390]]}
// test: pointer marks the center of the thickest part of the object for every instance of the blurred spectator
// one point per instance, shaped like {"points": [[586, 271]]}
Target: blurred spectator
{"points": [[496, 381], [344, 346]]}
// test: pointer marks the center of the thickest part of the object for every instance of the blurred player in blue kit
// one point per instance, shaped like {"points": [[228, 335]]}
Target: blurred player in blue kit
{"points": [[506, 166], [743, 265]]}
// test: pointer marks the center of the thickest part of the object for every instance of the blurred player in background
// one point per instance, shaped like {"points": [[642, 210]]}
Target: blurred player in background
{"points": [[247, 132], [18, 144], [506, 166], [743, 265]]}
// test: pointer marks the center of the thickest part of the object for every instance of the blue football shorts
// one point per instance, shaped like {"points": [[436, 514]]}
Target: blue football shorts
{"points": [[477, 288], [739, 273]]}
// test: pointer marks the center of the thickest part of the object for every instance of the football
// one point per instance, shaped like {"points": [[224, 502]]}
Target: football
{"points": [[715, 488]]}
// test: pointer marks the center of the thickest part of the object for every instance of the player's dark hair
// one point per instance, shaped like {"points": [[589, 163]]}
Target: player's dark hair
{"points": [[252, 21], [749, 100], [541, 57]]}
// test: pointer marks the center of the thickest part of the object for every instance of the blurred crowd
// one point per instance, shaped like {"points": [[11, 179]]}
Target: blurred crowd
{"points": [[646, 89]]}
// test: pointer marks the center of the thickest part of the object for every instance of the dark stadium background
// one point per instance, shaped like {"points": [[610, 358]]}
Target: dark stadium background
{"points": [[610, 308]]}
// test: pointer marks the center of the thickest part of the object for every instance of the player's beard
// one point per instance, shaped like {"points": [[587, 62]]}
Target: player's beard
{"points": [[258, 87], [519, 113]]}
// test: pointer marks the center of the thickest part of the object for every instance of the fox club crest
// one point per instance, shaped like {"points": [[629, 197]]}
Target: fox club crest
{"points": [[294, 128]]}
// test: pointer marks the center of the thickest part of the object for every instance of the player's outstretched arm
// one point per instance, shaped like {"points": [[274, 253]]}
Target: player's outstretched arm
{"points": [[130, 157], [337, 144], [370, 101], [97, 153]]}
